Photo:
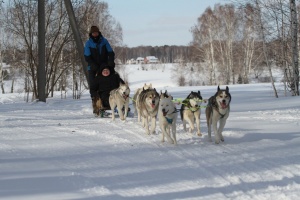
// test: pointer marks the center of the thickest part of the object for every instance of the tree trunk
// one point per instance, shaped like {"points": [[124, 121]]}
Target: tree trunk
{"points": [[295, 62], [265, 47]]}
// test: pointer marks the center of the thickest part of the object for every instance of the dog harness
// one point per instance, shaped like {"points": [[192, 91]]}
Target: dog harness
{"points": [[170, 121]]}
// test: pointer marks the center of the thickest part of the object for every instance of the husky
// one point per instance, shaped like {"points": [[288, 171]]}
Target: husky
{"points": [[147, 105], [167, 115], [136, 97], [217, 110], [190, 111], [119, 98]]}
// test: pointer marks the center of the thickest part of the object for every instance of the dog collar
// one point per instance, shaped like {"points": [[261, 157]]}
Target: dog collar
{"points": [[170, 121]]}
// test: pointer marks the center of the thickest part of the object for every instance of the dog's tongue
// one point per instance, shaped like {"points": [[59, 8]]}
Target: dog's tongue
{"points": [[153, 105], [223, 105]]}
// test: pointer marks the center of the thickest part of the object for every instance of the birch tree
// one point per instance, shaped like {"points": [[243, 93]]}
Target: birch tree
{"points": [[263, 38], [204, 36], [295, 52]]}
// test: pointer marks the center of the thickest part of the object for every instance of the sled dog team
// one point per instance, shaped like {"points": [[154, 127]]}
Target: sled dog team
{"points": [[148, 104]]}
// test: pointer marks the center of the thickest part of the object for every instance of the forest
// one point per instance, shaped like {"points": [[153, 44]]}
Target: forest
{"points": [[230, 40]]}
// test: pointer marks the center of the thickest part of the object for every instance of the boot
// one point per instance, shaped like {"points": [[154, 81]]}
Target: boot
{"points": [[95, 109]]}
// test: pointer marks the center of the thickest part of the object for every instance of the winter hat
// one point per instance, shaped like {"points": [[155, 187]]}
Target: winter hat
{"points": [[94, 29]]}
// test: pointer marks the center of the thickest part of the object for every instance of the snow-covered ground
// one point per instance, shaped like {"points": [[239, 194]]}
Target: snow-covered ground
{"points": [[59, 150]]}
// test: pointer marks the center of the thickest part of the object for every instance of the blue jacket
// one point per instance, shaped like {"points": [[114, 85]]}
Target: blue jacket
{"points": [[98, 53]]}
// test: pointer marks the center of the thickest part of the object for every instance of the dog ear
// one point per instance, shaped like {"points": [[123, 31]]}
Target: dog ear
{"points": [[227, 89], [213, 100], [199, 92], [218, 88]]}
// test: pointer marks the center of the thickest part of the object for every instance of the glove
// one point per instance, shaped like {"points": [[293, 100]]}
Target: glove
{"points": [[111, 63]]}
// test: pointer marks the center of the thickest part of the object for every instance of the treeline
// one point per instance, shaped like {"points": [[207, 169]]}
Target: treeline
{"points": [[236, 39], [165, 54], [229, 42], [19, 42]]}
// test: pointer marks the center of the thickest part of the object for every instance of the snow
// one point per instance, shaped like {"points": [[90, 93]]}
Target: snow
{"points": [[59, 150]]}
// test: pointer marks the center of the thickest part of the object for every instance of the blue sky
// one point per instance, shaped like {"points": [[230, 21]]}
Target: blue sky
{"points": [[158, 22]]}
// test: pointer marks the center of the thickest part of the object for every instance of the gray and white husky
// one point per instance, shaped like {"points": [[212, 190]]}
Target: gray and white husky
{"points": [[119, 98], [217, 110], [167, 117], [147, 105], [136, 97], [190, 111]]}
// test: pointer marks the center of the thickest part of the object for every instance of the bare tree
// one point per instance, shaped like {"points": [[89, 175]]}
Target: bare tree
{"points": [[295, 52], [263, 38], [204, 36]]}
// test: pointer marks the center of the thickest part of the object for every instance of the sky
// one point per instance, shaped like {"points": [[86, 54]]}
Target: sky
{"points": [[158, 22], [59, 151]]}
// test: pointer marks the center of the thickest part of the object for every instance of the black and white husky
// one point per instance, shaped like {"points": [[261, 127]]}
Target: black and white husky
{"points": [[190, 111], [167, 117], [147, 105], [119, 98], [136, 97], [217, 110]]}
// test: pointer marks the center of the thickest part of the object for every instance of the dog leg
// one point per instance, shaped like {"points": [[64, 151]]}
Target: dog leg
{"points": [[139, 114], [184, 124], [162, 133], [171, 141], [112, 106], [166, 132], [215, 128], [174, 132], [135, 109], [209, 131], [126, 108], [192, 127], [146, 124], [143, 122], [121, 115], [221, 127], [197, 116], [208, 121], [153, 125]]}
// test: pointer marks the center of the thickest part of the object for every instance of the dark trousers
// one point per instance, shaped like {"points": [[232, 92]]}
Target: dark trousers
{"points": [[92, 75]]}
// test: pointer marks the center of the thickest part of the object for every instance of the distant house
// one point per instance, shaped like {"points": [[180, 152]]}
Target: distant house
{"points": [[131, 61], [151, 59], [139, 60]]}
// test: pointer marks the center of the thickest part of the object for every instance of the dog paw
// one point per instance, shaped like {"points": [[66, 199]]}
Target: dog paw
{"points": [[199, 134], [171, 141]]}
